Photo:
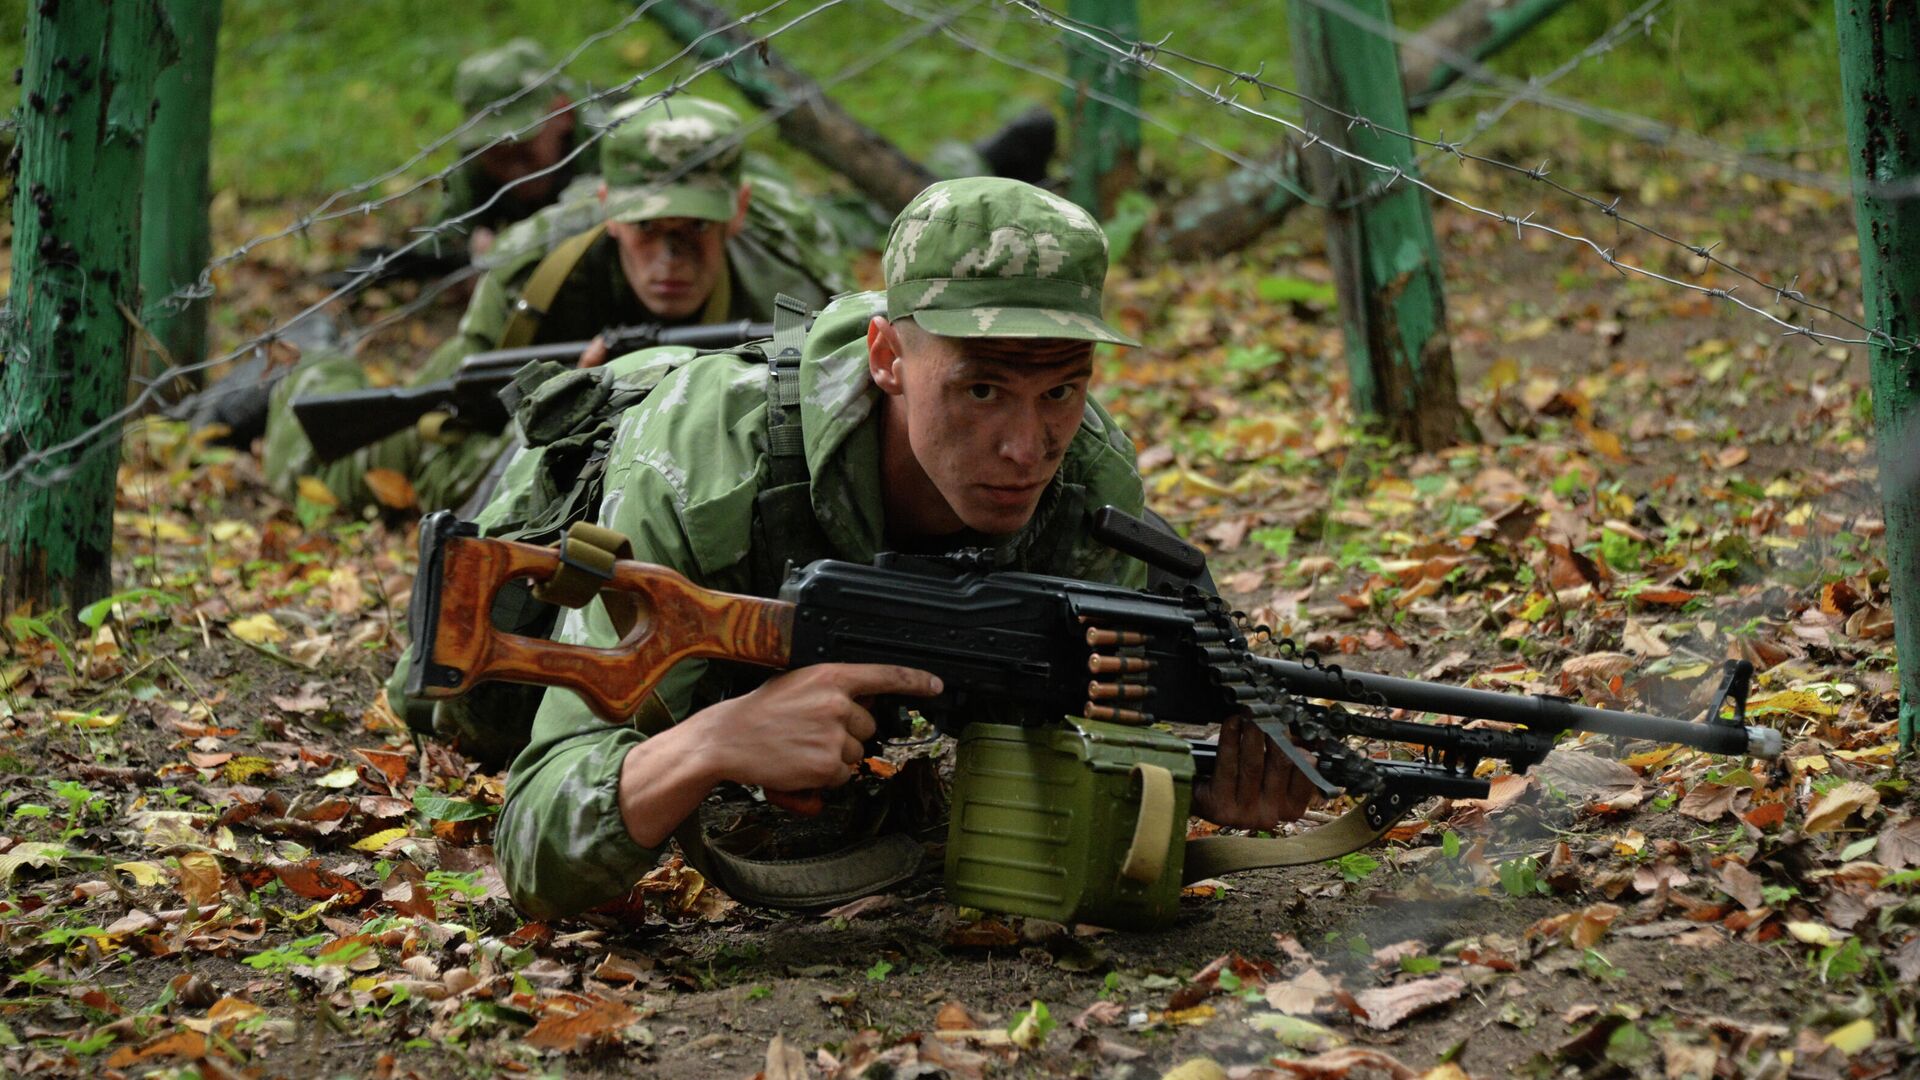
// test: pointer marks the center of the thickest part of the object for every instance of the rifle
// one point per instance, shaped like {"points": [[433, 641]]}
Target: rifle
{"points": [[379, 262], [1019, 645], [339, 424]]}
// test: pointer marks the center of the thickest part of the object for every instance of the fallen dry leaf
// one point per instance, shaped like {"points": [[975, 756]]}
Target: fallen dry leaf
{"points": [[1388, 1005], [1899, 845], [1832, 810], [1103, 1013], [1301, 995], [1337, 1064], [392, 488], [258, 629], [1584, 776], [785, 1061], [1710, 802], [866, 905], [574, 1021], [308, 700], [955, 1017], [1742, 884]]}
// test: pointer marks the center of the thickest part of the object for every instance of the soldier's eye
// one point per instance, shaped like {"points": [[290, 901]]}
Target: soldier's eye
{"points": [[981, 392], [1061, 393]]}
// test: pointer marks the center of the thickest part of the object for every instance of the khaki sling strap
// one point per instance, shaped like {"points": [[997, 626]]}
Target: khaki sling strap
{"points": [[1212, 856], [1153, 829], [587, 555], [536, 298]]}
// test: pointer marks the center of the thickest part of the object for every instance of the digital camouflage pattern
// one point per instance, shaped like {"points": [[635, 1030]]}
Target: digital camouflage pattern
{"points": [[655, 170], [684, 471], [518, 70], [785, 248], [675, 157], [990, 257], [493, 76]]}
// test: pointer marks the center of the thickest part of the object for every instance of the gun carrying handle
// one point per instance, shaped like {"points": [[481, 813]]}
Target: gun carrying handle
{"points": [[674, 620], [1153, 829]]}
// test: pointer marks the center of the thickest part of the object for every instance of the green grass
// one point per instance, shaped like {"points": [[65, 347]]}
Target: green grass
{"points": [[313, 97]]}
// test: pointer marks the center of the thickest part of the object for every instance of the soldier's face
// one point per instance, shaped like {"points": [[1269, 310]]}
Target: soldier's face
{"points": [[532, 160], [674, 264], [987, 422]]}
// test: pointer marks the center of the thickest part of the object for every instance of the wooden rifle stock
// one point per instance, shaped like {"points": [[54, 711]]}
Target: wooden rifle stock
{"points": [[672, 619]]}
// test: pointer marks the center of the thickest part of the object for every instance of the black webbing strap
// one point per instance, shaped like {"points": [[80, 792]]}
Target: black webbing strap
{"points": [[786, 446]]}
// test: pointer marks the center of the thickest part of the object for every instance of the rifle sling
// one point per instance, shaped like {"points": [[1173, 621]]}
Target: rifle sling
{"points": [[866, 867], [1212, 856], [536, 298]]}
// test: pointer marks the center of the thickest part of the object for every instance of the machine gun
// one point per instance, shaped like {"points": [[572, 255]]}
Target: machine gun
{"points": [[1029, 650], [339, 424]]}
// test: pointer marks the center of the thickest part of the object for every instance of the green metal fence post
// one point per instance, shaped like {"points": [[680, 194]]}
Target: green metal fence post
{"points": [[88, 94], [1880, 77], [1106, 138], [1380, 241], [174, 243]]}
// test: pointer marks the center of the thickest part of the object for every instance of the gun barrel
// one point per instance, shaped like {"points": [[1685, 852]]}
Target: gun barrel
{"points": [[620, 341], [1537, 711], [339, 424]]}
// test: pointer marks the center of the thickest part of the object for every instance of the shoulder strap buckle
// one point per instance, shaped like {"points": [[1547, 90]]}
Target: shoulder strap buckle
{"points": [[791, 320]]}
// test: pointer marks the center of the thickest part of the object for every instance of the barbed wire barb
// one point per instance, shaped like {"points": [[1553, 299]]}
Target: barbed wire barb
{"points": [[33, 458], [1067, 25]]}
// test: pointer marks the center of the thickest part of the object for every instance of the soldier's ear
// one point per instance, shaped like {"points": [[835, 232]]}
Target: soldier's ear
{"points": [[883, 356], [739, 221], [561, 120]]}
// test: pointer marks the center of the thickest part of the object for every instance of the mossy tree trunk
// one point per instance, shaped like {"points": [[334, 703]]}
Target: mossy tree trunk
{"points": [[85, 108]]}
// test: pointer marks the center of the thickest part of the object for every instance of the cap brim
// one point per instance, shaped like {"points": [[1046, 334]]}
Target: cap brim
{"points": [[1016, 322], [493, 129], [673, 201]]}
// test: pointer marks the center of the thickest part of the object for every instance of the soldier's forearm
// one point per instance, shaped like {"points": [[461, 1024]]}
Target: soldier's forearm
{"points": [[663, 781]]}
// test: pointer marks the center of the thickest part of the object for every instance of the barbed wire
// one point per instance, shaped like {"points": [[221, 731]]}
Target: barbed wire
{"points": [[1640, 18], [930, 25], [186, 294], [1644, 128], [324, 212], [91, 435], [1144, 54], [429, 293], [1265, 170], [203, 287]]}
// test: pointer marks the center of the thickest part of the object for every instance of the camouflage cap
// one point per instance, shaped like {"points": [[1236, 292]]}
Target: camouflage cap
{"points": [[990, 257], [498, 74], [676, 157]]}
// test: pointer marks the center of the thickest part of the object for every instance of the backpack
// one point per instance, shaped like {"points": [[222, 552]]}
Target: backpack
{"points": [[565, 419]]}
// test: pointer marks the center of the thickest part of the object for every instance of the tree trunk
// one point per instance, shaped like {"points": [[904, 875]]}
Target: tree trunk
{"points": [[89, 78], [1880, 77], [174, 243]]}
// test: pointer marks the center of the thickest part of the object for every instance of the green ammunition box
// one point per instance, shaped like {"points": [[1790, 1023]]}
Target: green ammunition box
{"points": [[1083, 822]]}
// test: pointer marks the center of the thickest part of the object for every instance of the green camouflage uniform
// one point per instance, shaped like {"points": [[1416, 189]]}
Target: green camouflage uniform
{"points": [[980, 257], [660, 166], [495, 75]]}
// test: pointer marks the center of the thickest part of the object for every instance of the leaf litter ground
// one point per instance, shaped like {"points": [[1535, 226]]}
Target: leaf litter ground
{"points": [[223, 856]]}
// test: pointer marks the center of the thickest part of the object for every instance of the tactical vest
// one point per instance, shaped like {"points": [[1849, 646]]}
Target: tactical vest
{"points": [[552, 493]]}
